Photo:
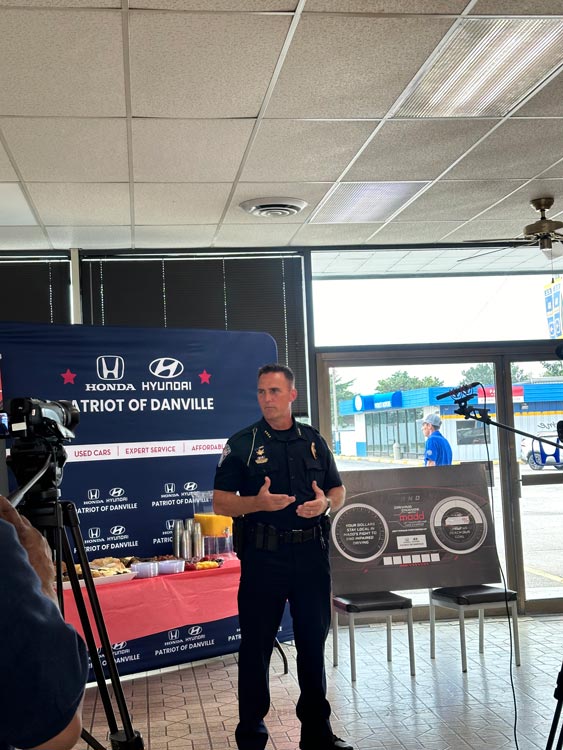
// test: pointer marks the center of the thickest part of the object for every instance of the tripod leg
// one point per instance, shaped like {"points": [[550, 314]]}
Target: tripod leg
{"points": [[128, 737]]}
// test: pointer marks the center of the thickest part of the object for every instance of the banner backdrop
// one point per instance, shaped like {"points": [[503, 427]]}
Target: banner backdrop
{"points": [[412, 528], [156, 408]]}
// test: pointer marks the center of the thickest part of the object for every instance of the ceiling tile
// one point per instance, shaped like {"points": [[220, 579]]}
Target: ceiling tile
{"points": [[310, 192], [7, 173], [286, 150], [81, 204], [420, 7], [180, 203], [68, 150], [517, 7], [23, 238], [60, 4], [61, 63], [334, 234], [518, 148], [174, 236], [456, 200], [548, 102], [252, 6], [14, 208], [202, 65], [339, 66], [484, 230], [416, 150], [517, 207], [237, 235], [397, 232], [90, 238], [188, 150]]}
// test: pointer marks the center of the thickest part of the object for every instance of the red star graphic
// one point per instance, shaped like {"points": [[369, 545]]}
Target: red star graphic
{"points": [[68, 377], [204, 377]]}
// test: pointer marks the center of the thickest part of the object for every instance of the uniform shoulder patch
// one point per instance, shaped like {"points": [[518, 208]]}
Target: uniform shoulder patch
{"points": [[226, 452]]}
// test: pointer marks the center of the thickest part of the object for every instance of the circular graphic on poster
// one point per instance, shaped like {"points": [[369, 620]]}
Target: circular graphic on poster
{"points": [[359, 532], [458, 525]]}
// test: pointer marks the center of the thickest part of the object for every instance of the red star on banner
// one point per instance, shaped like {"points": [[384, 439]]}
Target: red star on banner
{"points": [[204, 377], [68, 377]]}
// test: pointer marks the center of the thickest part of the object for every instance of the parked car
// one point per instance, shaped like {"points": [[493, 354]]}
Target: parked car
{"points": [[530, 452]]}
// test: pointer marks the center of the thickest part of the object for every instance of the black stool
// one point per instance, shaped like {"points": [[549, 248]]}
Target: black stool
{"points": [[468, 599], [381, 603]]}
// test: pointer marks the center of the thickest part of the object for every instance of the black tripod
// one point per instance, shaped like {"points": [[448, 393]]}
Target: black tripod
{"points": [[41, 506]]}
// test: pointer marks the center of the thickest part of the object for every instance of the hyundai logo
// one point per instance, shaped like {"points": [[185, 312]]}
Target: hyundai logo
{"points": [[169, 487], [117, 530], [195, 630], [93, 494], [166, 367], [190, 486], [117, 492], [170, 524], [173, 635], [110, 367], [94, 532], [119, 646]]}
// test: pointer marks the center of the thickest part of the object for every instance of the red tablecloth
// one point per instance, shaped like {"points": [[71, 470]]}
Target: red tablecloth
{"points": [[145, 606]]}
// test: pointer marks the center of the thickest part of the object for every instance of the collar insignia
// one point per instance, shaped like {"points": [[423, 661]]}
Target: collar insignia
{"points": [[260, 457]]}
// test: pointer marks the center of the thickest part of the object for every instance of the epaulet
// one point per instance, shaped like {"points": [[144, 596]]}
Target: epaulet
{"points": [[245, 431], [306, 428]]}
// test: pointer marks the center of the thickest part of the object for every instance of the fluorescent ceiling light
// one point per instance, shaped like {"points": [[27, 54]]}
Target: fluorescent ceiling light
{"points": [[487, 67], [355, 202]]}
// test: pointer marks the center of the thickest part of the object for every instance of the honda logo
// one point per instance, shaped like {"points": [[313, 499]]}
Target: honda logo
{"points": [[170, 524], [119, 646], [173, 635], [93, 494], [94, 532], [169, 487], [117, 530], [117, 492], [190, 486], [166, 367], [195, 630], [110, 367]]}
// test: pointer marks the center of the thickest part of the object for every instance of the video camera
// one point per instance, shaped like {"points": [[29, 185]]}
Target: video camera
{"points": [[38, 430]]}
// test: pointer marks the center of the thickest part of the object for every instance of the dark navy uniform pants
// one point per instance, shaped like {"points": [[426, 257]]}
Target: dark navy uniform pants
{"points": [[300, 574]]}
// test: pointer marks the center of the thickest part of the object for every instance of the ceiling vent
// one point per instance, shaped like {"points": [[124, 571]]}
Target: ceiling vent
{"points": [[273, 207]]}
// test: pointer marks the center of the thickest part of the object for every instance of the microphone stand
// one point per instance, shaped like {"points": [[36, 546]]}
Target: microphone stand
{"points": [[482, 415]]}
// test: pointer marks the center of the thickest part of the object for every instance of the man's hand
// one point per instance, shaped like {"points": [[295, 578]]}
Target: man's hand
{"points": [[38, 551], [315, 507], [267, 501]]}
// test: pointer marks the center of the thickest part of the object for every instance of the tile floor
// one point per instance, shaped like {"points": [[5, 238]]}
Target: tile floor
{"points": [[194, 707]]}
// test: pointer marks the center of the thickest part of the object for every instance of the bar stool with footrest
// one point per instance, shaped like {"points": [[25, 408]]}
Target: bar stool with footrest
{"points": [[379, 603], [468, 599]]}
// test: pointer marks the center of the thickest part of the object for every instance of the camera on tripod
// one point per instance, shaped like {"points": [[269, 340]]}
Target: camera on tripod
{"points": [[38, 430]]}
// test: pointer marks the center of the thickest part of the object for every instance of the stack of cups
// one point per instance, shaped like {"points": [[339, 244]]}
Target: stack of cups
{"points": [[197, 541], [177, 535]]}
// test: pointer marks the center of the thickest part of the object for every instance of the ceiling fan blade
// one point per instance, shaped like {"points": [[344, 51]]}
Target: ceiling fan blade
{"points": [[513, 241], [496, 249]]}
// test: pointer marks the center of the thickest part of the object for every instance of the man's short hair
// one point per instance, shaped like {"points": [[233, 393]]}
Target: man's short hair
{"points": [[274, 367], [432, 419]]}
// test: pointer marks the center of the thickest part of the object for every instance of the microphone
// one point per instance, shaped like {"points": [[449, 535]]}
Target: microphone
{"points": [[462, 389], [560, 430]]}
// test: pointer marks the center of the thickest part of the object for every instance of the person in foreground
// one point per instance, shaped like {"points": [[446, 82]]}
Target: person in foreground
{"points": [[278, 479], [43, 661], [437, 450]]}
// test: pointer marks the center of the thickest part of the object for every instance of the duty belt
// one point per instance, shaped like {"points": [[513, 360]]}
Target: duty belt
{"points": [[269, 537]]}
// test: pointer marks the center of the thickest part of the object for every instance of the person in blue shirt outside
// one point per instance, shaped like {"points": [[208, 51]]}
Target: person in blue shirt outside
{"points": [[437, 450], [43, 661]]}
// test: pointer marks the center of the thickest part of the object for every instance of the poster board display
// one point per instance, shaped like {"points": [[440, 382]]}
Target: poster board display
{"points": [[156, 408], [412, 528]]}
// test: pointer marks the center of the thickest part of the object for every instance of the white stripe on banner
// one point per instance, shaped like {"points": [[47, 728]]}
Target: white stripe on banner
{"points": [[156, 449]]}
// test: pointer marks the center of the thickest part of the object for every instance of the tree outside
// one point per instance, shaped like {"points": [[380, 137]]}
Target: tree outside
{"points": [[402, 381], [485, 373]]}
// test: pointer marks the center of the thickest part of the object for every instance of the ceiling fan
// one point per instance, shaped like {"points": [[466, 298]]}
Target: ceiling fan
{"points": [[542, 233]]}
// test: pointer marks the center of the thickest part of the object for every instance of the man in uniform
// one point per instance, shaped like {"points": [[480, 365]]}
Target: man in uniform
{"points": [[278, 479], [437, 450]]}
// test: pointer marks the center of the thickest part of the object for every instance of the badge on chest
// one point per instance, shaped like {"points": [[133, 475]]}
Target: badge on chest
{"points": [[259, 456]]}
